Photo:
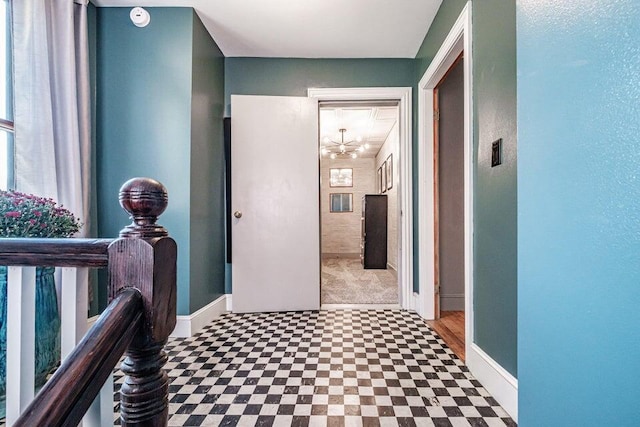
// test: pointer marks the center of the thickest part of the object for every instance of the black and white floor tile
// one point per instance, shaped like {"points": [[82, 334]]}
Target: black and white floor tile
{"points": [[326, 368]]}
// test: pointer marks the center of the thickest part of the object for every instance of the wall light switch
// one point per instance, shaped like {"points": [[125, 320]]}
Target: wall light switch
{"points": [[496, 152]]}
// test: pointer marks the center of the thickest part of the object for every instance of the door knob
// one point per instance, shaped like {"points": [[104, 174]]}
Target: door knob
{"points": [[237, 214]]}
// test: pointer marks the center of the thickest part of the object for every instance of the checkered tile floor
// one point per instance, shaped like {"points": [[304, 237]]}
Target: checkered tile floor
{"points": [[327, 368]]}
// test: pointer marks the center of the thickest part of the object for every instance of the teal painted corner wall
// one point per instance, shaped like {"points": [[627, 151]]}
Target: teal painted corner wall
{"points": [[144, 117], [292, 77], [495, 189], [578, 212], [207, 234]]}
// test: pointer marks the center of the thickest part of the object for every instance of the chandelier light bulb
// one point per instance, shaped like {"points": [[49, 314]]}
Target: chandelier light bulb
{"points": [[366, 146], [361, 149], [333, 155], [323, 151], [342, 148], [358, 138], [354, 155]]}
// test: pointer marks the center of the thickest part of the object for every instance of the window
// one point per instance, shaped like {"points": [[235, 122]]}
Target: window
{"points": [[6, 98]]}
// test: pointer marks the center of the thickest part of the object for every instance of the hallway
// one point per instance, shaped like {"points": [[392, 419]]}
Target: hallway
{"points": [[345, 281], [337, 368]]}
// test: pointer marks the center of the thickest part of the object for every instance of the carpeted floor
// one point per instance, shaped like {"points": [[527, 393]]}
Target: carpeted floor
{"points": [[344, 281]]}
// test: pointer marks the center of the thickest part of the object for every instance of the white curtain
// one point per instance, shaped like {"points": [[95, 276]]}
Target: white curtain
{"points": [[52, 102]]}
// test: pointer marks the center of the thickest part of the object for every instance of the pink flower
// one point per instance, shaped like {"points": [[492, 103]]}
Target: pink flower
{"points": [[37, 213], [32, 221], [13, 214]]}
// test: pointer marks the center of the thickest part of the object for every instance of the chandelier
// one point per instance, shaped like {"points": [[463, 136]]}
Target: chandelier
{"points": [[342, 148]]}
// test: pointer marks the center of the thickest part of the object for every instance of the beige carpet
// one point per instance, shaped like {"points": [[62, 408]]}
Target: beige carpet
{"points": [[344, 281]]}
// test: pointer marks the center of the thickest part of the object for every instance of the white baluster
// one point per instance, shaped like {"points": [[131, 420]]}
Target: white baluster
{"points": [[100, 413], [21, 330], [75, 307]]}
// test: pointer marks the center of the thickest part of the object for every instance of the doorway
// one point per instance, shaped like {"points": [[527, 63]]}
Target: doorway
{"points": [[458, 42], [359, 146], [401, 95], [448, 120]]}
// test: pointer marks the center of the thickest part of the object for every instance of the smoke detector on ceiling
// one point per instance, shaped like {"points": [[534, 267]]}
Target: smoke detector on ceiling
{"points": [[139, 17]]}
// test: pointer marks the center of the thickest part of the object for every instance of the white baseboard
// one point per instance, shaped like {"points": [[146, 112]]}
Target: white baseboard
{"points": [[340, 255], [229, 305], [360, 307], [187, 326], [452, 302], [494, 378]]}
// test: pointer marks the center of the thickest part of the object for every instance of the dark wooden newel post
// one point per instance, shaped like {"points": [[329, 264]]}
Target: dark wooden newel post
{"points": [[144, 257]]}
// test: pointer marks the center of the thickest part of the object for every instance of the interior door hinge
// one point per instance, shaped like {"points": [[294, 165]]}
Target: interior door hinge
{"points": [[436, 115]]}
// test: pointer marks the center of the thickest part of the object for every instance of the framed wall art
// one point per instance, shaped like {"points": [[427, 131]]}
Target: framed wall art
{"points": [[389, 169], [341, 177], [383, 184]]}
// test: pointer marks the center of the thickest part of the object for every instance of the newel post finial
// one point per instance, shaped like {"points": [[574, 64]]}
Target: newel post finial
{"points": [[144, 257], [144, 199]]}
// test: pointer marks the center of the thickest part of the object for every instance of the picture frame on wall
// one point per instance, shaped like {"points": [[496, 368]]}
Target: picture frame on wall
{"points": [[380, 180], [384, 177], [389, 170], [341, 177]]}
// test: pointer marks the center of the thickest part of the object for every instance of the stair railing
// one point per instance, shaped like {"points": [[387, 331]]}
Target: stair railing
{"points": [[140, 316]]}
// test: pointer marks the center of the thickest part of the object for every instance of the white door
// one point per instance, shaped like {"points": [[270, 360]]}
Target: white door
{"points": [[275, 263]]}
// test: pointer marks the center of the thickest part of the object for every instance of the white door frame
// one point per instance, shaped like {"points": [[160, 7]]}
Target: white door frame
{"points": [[405, 218], [458, 40]]}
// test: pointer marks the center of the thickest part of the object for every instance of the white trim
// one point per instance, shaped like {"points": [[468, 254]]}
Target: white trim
{"points": [[229, 304], [452, 301], [360, 307], [502, 385], [457, 41], [405, 217], [495, 379], [188, 326]]}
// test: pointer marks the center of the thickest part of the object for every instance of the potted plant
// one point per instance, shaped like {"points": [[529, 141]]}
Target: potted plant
{"points": [[27, 215]]}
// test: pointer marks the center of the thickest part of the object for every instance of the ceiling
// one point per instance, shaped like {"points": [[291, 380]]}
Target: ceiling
{"points": [[309, 28], [373, 124]]}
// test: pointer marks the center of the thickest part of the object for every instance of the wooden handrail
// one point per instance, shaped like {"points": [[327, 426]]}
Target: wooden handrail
{"points": [[32, 252], [65, 398], [141, 315]]}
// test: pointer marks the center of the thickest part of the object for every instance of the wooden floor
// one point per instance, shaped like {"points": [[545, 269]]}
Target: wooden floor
{"points": [[450, 327]]}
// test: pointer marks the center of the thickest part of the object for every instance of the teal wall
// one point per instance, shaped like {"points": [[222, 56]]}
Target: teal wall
{"points": [[495, 192], [292, 77], [578, 212], [207, 262], [98, 294], [144, 118]]}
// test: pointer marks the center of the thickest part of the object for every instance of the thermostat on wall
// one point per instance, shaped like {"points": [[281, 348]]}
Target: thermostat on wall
{"points": [[139, 17]]}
